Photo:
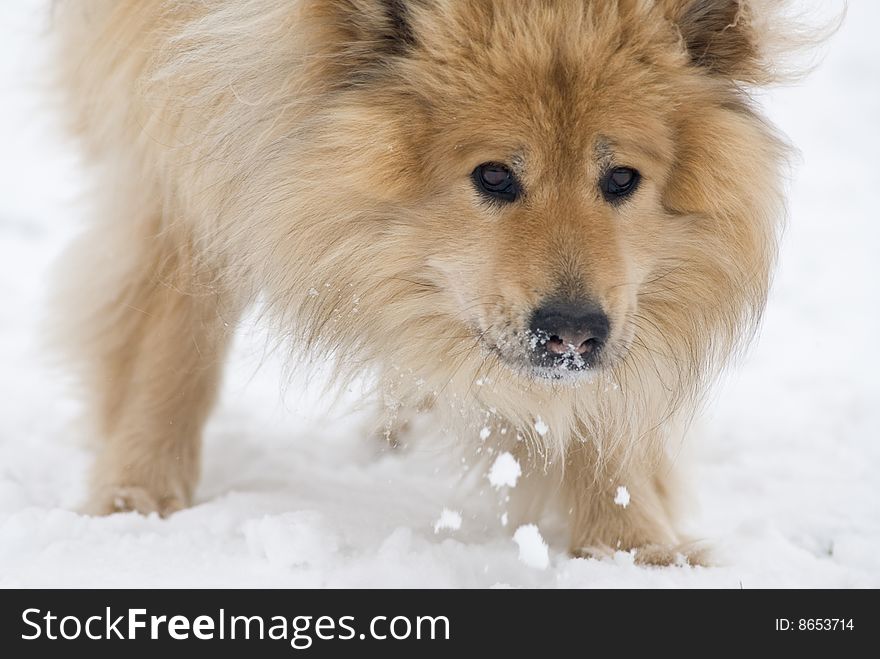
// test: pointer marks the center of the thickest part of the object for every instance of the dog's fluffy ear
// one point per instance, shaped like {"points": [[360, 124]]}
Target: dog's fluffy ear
{"points": [[727, 38], [359, 35]]}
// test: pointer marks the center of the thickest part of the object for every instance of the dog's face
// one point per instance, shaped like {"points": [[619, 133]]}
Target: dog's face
{"points": [[558, 217], [556, 214], [556, 166]]}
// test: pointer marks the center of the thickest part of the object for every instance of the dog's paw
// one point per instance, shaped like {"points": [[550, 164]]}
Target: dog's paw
{"points": [[112, 499], [656, 555], [690, 554]]}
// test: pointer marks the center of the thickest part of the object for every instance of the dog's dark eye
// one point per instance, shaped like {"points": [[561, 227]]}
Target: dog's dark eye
{"points": [[619, 183], [496, 181]]}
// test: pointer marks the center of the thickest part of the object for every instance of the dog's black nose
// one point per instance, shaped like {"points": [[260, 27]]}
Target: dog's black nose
{"points": [[569, 333]]}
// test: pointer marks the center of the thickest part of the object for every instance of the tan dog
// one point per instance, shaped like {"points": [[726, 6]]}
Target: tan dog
{"points": [[559, 216]]}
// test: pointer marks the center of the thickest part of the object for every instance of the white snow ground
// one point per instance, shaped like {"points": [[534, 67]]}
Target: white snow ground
{"points": [[295, 494]]}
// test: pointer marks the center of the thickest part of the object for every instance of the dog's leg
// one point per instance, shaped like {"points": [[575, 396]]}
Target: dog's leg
{"points": [[149, 326], [625, 505]]}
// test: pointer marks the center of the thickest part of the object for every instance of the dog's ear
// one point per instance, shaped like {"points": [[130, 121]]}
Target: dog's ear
{"points": [[724, 37], [383, 26], [358, 35], [399, 33]]}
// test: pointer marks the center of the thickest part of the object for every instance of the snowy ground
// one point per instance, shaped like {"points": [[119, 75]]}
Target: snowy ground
{"points": [[295, 494]]}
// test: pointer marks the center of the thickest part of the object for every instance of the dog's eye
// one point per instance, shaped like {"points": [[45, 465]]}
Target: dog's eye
{"points": [[619, 183], [496, 181]]}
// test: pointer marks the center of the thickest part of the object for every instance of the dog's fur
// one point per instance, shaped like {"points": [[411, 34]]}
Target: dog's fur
{"points": [[318, 152]]}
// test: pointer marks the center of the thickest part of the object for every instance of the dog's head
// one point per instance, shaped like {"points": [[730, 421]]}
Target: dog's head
{"points": [[566, 186]]}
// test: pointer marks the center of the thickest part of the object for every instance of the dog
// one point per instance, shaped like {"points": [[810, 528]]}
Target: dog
{"points": [[554, 220]]}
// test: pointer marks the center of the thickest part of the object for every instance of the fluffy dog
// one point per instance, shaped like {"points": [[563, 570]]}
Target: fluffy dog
{"points": [[556, 218]]}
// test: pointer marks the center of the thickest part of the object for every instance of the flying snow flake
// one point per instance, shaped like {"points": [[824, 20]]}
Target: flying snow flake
{"points": [[541, 427], [503, 519], [505, 471], [621, 498], [313, 292], [532, 548], [484, 433], [449, 519]]}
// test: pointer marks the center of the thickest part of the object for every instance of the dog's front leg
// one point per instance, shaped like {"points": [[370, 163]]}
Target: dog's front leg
{"points": [[149, 328], [625, 504]]}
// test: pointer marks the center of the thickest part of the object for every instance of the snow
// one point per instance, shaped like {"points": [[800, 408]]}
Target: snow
{"points": [[533, 551], [449, 519], [295, 492], [621, 497], [505, 471], [541, 427], [300, 539]]}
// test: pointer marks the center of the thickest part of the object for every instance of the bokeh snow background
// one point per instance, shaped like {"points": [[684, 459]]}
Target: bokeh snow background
{"points": [[295, 493]]}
